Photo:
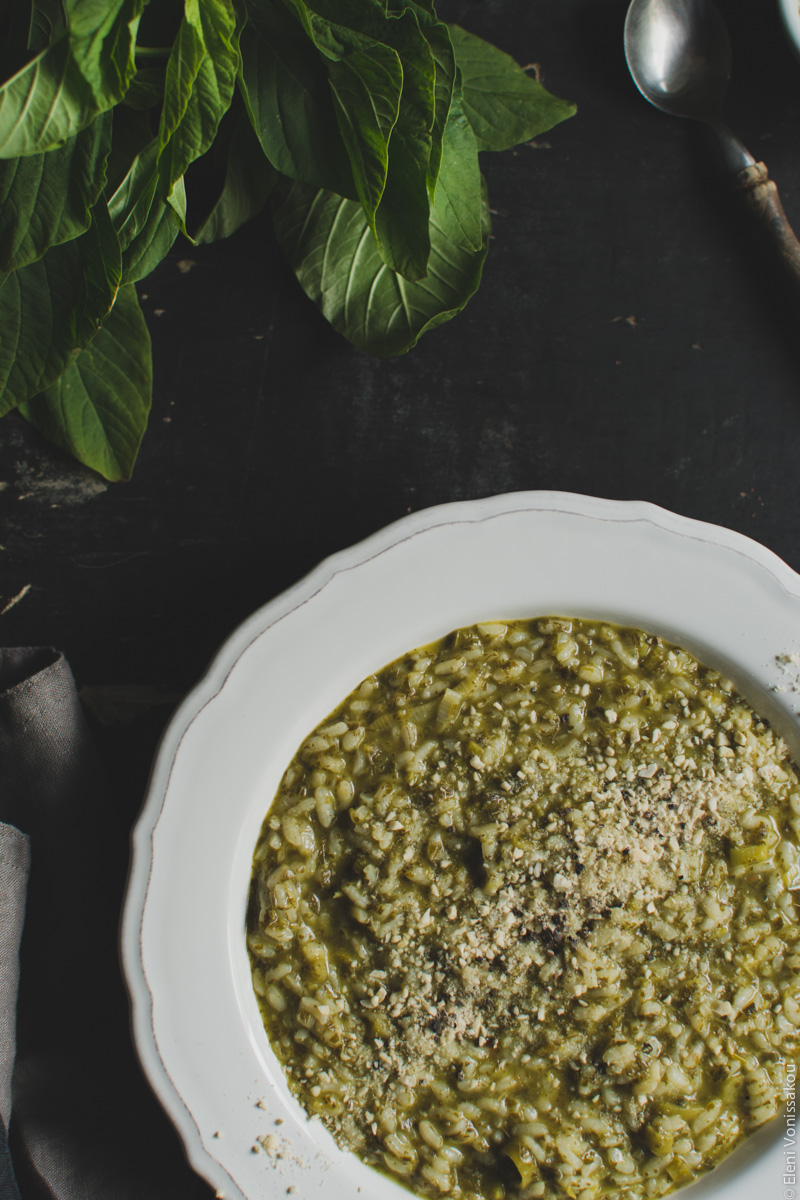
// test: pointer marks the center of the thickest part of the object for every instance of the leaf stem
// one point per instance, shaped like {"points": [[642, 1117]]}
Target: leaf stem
{"points": [[154, 51]]}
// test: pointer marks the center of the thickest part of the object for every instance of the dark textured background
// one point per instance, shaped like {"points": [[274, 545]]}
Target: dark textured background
{"points": [[629, 340]]}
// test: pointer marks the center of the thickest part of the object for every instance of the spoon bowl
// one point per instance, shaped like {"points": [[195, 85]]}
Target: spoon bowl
{"points": [[679, 55]]}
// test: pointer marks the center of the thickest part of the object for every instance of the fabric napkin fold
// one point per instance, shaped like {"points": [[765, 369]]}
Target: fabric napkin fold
{"points": [[77, 1119]]}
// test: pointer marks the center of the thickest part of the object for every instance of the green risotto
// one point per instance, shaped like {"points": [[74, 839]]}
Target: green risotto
{"points": [[522, 919]]}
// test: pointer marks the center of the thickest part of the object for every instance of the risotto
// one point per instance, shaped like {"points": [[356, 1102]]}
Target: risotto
{"points": [[522, 916]]}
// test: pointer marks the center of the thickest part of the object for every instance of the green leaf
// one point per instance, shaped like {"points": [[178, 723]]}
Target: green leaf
{"points": [[200, 78], [145, 223], [81, 74], [52, 308], [331, 248], [131, 201], [177, 202], [249, 179], [362, 15], [47, 199], [155, 239], [102, 266], [136, 201], [46, 22], [102, 37], [437, 36], [98, 407], [459, 191], [284, 83], [401, 218], [366, 82], [504, 106], [401, 222]]}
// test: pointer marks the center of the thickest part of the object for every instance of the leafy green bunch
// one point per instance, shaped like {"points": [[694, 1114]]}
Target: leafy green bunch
{"points": [[357, 122]]}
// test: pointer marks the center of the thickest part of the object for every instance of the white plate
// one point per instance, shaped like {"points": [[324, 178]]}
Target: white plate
{"points": [[196, 1022]]}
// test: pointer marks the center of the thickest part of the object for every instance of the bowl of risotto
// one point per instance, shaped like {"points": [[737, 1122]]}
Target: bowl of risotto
{"points": [[469, 868]]}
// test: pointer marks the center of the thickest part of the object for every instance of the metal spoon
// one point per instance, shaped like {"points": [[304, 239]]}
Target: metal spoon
{"points": [[679, 56]]}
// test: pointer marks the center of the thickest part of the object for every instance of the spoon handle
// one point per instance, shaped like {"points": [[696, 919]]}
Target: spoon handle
{"points": [[761, 196]]}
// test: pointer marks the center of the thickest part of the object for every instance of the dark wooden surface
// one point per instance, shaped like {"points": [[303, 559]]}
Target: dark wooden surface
{"points": [[630, 340]]}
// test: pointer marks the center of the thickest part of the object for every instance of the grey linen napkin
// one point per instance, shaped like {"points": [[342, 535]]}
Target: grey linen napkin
{"points": [[80, 1120]]}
